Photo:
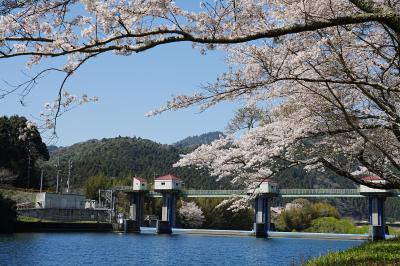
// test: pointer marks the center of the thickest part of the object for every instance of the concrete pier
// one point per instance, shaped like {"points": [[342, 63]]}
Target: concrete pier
{"points": [[131, 226], [169, 186], [136, 208], [376, 206], [377, 220], [264, 190], [262, 216], [136, 213], [168, 213]]}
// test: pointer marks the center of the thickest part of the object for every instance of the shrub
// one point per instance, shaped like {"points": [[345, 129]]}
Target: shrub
{"points": [[8, 215], [299, 217], [334, 225], [94, 183]]}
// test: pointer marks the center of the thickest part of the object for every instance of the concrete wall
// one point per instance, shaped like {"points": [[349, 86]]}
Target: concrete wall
{"points": [[268, 188], [54, 200], [67, 215], [137, 185], [365, 189], [167, 185], [62, 227]]}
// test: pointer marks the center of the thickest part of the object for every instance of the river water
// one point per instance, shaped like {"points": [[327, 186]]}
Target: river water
{"points": [[150, 249]]}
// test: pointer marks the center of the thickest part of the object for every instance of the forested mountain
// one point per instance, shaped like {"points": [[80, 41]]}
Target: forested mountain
{"points": [[195, 141], [124, 157], [53, 148]]}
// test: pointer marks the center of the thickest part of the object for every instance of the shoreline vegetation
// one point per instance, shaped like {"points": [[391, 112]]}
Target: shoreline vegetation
{"points": [[384, 252]]}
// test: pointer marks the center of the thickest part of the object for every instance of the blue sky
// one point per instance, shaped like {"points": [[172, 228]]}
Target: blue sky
{"points": [[127, 87]]}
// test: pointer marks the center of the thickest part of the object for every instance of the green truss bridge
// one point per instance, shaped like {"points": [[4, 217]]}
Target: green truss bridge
{"points": [[284, 193]]}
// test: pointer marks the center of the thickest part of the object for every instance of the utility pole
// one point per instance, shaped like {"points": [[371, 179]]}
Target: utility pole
{"points": [[57, 165], [69, 174], [41, 181], [61, 184], [29, 165]]}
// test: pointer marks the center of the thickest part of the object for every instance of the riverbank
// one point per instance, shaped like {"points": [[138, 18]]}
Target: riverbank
{"points": [[302, 235], [385, 252], [31, 227]]}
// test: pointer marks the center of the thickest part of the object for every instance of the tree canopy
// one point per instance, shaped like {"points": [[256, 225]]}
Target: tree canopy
{"points": [[21, 146], [191, 215], [329, 69], [8, 215]]}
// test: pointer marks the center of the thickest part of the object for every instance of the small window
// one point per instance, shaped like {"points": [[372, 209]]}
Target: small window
{"points": [[142, 185], [162, 183]]}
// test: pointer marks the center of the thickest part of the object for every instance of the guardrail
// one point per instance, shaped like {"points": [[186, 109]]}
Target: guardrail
{"points": [[285, 193], [214, 192]]}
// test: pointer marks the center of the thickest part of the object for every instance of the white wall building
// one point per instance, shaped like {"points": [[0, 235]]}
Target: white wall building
{"points": [[60, 201], [266, 186], [139, 184], [374, 180], [167, 182]]}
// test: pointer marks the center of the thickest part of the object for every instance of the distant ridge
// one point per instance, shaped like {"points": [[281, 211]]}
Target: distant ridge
{"points": [[195, 141], [122, 157]]}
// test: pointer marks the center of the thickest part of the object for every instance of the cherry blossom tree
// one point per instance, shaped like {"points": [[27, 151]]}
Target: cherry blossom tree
{"points": [[330, 69], [191, 215]]}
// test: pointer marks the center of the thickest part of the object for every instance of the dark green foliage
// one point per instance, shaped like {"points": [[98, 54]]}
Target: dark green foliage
{"points": [[152, 206], [221, 218], [334, 225], [195, 141], [19, 156], [96, 182], [8, 215], [52, 148], [392, 209], [301, 215], [125, 157]]}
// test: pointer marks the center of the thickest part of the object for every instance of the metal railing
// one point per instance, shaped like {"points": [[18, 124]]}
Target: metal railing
{"points": [[318, 191], [214, 192], [122, 188], [329, 192]]}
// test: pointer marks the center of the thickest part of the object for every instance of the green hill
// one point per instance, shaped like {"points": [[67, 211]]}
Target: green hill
{"points": [[124, 157], [195, 141]]}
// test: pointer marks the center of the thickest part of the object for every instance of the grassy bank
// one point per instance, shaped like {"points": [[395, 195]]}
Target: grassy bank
{"points": [[386, 252], [19, 196], [28, 219], [340, 226]]}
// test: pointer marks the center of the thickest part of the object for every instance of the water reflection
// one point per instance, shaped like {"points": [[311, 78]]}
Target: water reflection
{"points": [[150, 249]]}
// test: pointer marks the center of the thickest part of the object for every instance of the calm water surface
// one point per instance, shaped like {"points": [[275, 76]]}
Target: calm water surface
{"points": [[149, 249]]}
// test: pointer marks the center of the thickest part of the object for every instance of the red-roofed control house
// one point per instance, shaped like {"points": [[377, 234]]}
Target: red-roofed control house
{"points": [[373, 179], [167, 182], [139, 183]]}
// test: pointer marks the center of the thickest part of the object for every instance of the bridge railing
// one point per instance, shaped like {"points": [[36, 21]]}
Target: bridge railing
{"points": [[122, 188], [282, 192], [214, 192], [191, 193], [328, 191]]}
